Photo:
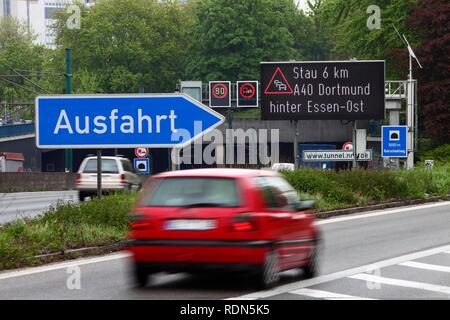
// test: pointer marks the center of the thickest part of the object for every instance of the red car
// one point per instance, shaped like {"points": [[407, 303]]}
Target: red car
{"points": [[233, 219]]}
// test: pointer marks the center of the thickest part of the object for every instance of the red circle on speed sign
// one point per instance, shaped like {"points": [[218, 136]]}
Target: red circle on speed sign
{"points": [[219, 91], [141, 152], [247, 91]]}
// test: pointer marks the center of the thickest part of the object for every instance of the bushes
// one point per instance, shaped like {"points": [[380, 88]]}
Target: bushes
{"points": [[66, 226], [334, 190]]}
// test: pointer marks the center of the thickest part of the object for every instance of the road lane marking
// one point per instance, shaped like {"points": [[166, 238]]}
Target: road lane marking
{"points": [[426, 266], [402, 283], [345, 273], [326, 295], [63, 265], [382, 213]]}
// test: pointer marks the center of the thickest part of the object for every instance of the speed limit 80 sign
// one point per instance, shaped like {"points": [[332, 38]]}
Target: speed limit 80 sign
{"points": [[219, 94]]}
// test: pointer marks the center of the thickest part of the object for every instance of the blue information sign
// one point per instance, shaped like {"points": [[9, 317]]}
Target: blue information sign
{"points": [[393, 141], [142, 165], [121, 121]]}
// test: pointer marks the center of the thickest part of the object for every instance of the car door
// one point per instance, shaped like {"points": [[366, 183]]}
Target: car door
{"points": [[279, 219], [295, 243]]}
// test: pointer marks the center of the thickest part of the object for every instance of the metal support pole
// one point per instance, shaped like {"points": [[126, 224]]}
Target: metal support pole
{"points": [[28, 17], [230, 126], [410, 120], [296, 144], [68, 152], [99, 173], [355, 126]]}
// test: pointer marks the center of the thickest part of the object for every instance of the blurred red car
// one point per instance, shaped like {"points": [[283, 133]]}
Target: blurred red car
{"points": [[234, 219]]}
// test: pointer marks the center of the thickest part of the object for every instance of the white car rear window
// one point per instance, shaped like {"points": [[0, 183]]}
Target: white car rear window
{"points": [[108, 166]]}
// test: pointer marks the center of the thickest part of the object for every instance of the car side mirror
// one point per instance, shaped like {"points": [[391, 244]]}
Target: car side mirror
{"points": [[304, 205]]}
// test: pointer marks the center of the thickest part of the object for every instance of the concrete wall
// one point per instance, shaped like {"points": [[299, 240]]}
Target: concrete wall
{"points": [[36, 181]]}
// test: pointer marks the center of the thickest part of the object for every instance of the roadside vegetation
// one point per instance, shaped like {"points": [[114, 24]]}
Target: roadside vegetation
{"points": [[64, 227], [104, 222], [344, 189]]}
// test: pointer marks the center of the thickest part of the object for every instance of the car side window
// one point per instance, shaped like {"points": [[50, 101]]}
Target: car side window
{"points": [[286, 195], [268, 192], [126, 165]]}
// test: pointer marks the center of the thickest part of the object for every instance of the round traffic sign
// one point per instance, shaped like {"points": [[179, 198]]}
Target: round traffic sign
{"points": [[219, 90], [247, 90], [347, 146], [141, 152]]}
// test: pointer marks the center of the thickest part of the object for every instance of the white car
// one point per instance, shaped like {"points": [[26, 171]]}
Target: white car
{"points": [[283, 166], [117, 175]]}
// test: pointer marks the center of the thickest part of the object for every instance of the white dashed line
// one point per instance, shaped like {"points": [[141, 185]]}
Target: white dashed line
{"points": [[426, 266], [326, 295]]}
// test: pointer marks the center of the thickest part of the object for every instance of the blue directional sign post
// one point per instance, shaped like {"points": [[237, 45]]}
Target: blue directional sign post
{"points": [[393, 141], [121, 121]]}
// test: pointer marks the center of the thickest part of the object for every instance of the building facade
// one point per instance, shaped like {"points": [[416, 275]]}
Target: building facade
{"points": [[37, 15]]}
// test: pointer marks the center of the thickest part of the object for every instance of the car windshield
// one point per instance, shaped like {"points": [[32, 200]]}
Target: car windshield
{"points": [[108, 166], [193, 192]]}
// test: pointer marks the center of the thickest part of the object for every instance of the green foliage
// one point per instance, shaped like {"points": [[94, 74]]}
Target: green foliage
{"points": [[66, 226], [18, 53], [231, 38], [127, 44], [441, 154], [345, 23]]}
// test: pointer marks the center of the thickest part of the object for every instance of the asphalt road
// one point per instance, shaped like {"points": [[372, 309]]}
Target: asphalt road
{"points": [[18, 205], [388, 254]]}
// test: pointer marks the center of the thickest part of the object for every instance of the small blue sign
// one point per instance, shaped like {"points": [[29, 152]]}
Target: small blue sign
{"points": [[142, 165], [393, 141], [121, 121]]}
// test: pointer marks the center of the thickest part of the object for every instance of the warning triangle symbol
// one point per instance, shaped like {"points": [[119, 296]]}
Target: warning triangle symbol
{"points": [[278, 84]]}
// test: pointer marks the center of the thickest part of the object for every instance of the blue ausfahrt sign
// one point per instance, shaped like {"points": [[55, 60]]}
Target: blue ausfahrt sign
{"points": [[393, 141], [121, 121]]}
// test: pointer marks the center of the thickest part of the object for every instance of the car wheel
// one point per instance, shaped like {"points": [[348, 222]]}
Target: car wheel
{"points": [[269, 274], [311, 270], [140, 276], [82, 195]]}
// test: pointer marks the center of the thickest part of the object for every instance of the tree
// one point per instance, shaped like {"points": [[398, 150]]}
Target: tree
{"points": [[20, 61], [431, 20], [127, 44], [345, 23], [231, 38]]}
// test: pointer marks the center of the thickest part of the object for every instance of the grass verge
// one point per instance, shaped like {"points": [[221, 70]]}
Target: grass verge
{"points": [[64, 227]]}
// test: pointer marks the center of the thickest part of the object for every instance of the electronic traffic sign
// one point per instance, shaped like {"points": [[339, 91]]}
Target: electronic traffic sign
{"points": [[219, 94], [345, 90], [247, 93]]}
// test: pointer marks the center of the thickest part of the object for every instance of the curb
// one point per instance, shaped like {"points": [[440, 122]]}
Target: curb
{"points": [[379, 206]]}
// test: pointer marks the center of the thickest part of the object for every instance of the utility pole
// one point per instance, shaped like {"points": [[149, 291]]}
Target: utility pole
{"points": [[68, 152], [355, 127], [410, 119], [28, 17], [410, 112]]}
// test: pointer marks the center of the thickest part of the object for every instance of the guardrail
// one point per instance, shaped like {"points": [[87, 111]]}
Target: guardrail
{"points": [[11, 130]]}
